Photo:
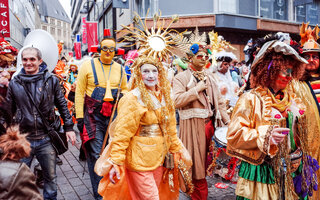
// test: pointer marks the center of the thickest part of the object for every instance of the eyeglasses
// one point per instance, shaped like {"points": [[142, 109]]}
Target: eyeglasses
{"points": [[202, 56], [307, 57], [105, 48]]}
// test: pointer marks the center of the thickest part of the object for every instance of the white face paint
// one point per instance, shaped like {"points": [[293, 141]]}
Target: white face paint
{"points": [[149, 75]]}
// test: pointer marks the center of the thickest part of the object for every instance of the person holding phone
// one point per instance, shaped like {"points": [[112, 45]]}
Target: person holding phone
{"points": [[267, 130]]}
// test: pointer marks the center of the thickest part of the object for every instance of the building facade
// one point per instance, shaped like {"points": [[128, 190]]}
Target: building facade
{"points": [[236, 20], [54, 19], [22, 20]]}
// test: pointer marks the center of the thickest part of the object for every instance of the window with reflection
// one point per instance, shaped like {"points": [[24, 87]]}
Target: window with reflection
{"points": [[308, 12], [243, 7], [144, 5], [274, 9]]}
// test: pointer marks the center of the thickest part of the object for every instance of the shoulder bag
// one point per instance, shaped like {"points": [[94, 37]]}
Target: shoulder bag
{"points": [[58, 139]]}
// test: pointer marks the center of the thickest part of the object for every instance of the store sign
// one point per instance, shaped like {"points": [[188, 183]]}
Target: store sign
{"points": [[92, 34], [84, 31], [77, 50], [4, 18]]}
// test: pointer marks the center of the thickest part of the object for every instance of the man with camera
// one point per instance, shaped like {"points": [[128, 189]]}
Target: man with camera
{"points": [[36, 87]]}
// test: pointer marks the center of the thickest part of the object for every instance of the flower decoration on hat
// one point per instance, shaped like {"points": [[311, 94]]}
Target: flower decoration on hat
{"points": [[309, 37], [194, 43], [156, 42]]}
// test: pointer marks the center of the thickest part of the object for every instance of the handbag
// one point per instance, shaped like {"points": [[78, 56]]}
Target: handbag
{"points": [[58, 138]]}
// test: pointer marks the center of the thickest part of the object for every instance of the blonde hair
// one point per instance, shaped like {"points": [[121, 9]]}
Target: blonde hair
{"points": [[163, 85]]}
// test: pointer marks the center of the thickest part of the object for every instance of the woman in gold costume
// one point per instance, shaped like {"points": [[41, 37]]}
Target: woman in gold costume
{"points": [[143, 137], [267, 130]]}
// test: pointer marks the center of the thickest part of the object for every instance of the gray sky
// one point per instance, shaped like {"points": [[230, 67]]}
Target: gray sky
{"points": [[66, 5]]}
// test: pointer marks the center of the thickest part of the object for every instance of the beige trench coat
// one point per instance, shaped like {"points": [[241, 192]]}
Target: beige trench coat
{"points": [[195, 111]]}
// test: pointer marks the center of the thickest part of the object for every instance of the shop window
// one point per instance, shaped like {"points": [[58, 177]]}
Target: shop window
{"points": [[228, 6], [307, 13], [144, 5], [274, 9]]}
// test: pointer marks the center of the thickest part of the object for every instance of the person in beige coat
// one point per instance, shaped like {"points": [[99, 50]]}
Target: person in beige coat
{"points": [[197, 97]]}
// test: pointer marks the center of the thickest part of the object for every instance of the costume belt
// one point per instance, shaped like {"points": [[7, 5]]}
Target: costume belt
{"points": [[152, 130]]}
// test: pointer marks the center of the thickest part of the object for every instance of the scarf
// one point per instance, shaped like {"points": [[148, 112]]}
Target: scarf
{"points": [[281, 101], [200, 75]]}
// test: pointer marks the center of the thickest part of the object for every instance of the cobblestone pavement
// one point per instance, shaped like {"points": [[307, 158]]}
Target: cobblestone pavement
{"points": [[215, 193], [74, 181]]}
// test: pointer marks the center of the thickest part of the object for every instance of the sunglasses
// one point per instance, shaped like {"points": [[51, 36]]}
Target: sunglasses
{"points": [[110, 49], [287, 72], [206, 57], [307, 57]]}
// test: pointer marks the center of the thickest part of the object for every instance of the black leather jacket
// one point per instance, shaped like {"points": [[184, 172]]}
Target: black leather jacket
{"points": [[46, 92]]}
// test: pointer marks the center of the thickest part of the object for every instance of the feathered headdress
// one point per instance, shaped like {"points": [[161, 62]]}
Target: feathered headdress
{"points": [[217, 43], [309, 37], [191, 45]]}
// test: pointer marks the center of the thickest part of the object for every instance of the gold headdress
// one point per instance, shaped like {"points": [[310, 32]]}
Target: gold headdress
{"points": [[309, 37], [217, 43], [156, 43]]}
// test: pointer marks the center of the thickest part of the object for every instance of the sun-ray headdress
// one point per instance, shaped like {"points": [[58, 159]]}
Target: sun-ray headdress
{"points": [[155, 46], [309, 37], [156, 42]]}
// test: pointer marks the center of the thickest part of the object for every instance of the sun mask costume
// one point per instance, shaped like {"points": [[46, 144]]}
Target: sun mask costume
{"points": [[272, 168], [144, 148], [307, 90], [199, 103]]}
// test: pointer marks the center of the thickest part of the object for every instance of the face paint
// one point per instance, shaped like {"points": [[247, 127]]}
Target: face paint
{"points": [[108, 51], [283, 78], [149, 75]]}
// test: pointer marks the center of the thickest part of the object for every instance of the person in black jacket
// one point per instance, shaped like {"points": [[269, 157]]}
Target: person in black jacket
{"points": [[46, 93]]}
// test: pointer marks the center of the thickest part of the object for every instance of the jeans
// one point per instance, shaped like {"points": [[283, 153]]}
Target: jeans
{"points": [[46, 155], [93, 148]]}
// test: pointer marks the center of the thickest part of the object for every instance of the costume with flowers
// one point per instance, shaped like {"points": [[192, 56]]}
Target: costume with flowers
{"points": [[268, 171], [143, 135], [308, 91]]}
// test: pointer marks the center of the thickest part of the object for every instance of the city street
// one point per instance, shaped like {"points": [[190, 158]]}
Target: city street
{"points": [[74, 181]]}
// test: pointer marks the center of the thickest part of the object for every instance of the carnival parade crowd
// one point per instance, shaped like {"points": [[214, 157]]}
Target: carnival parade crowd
{"points": [[153, 123]]}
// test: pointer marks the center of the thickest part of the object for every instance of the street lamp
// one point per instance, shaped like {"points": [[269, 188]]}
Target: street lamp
{"points": [[85, 10]]}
